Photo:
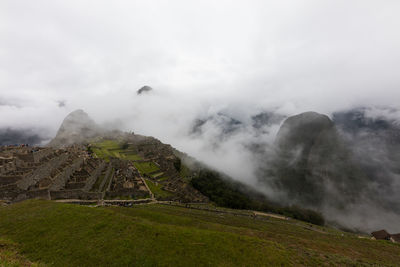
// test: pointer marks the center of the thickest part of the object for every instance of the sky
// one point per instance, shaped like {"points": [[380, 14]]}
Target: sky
{"points": [[198, 55], [201, 58]]}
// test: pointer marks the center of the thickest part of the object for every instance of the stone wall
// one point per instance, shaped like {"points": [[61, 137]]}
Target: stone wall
{"points": [[38, 155], [42, 194], [75, 194], [94, 176], [9, 179], [108, 173], [7, 165], [61, 178], [9, 192], [27, 157], [42, 171], [127, 192]]}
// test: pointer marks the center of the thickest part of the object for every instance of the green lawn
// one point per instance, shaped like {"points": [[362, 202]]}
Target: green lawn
{"points": [[108, 144], [111, 148], [10, 257], [59, 234], [146, 167], [159, 174], [131, 156], [157, 190]]}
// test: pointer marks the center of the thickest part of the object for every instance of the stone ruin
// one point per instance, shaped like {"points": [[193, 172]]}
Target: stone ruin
{"points": [[163, 155], [71, 173], [68, 173]]}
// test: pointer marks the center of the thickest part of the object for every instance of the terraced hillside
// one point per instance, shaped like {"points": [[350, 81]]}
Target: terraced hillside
{"points": [[165, 175], [163, 235], [68, 173]]}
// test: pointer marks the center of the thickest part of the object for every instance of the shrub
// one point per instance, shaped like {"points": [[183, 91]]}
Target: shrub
{"points": [[235, 195]]}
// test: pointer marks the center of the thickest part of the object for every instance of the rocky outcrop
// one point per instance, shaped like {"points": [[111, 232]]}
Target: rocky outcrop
{"points": [[77, 128], [144, 89], [312, 165]]}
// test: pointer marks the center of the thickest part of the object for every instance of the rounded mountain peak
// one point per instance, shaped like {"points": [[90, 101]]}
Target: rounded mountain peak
{"points": [[76, 128], [303, 128]]}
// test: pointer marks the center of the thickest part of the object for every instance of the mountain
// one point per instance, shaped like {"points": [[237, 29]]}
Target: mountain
{"points": [[345, 167], [172, 174], [266, 119], [10, 136], [313, 163], [144, 89], [374, 140], [77, 128], [310, 155], [224, 125]]}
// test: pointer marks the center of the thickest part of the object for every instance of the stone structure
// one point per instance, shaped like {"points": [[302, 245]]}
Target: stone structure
{"points": [[68, 173]]}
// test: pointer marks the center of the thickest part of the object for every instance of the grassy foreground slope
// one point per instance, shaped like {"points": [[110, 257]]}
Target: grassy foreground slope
{"points": [[10, 257], [157, 235]]}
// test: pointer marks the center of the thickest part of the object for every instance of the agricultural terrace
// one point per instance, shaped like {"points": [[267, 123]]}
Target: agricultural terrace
{"points": [[111, 148]]}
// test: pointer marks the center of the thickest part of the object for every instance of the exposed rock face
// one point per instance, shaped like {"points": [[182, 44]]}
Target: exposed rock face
{"points": [[311, 165], [76, 128], [144, 89], [347, 168], [266, 119]]}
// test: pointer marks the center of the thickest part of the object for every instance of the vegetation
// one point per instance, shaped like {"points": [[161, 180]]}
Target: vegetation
{"points": [[210, 184], [221, 191], [10, 257], [157, 190], [60, 234], [156, 175], [165, 178], [185, 172], [131, 156], [111, 148], [146, 167], [231, 194], [178, 164]]}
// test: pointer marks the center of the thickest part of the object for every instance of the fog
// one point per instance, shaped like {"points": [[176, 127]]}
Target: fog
{"points": [[202, 59]]}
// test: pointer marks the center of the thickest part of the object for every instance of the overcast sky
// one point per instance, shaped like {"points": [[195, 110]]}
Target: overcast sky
{"points": [[199, 56]]}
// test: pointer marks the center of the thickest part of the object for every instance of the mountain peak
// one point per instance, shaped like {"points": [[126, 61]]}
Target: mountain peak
{"points": [[144, 89], [76, 128], [304, 127]]}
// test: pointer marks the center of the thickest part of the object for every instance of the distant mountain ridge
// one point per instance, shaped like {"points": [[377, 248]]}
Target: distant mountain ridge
{"points": [[346, 167]]}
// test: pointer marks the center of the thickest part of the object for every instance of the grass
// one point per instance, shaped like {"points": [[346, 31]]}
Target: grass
{"points": [[132, 157], [60, 234], [111, 148], [157, 190], [165, 178], [157, 174], [146, 167], [184, 172], [10, 257]]}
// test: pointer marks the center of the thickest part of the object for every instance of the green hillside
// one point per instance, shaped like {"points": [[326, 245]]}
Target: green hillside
{"points": [[57, 234]]}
